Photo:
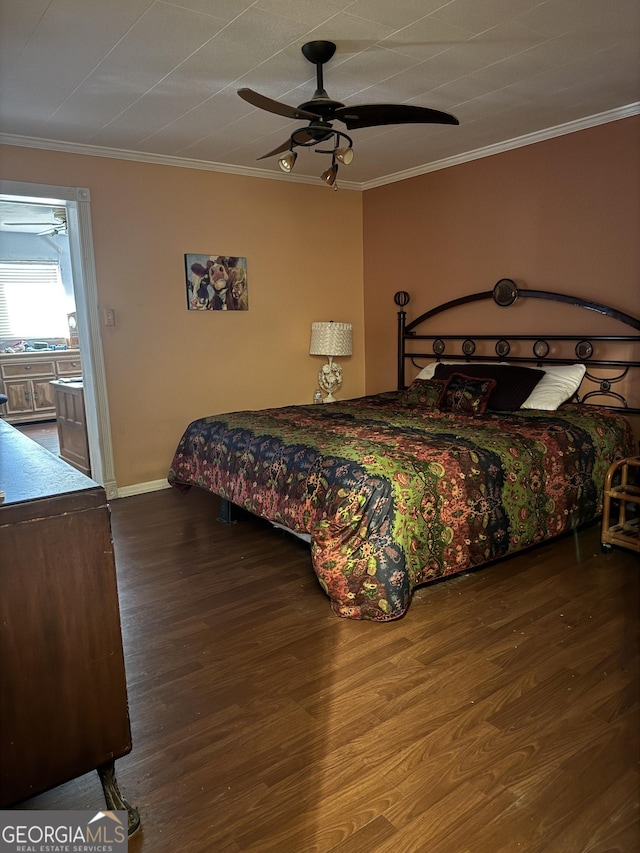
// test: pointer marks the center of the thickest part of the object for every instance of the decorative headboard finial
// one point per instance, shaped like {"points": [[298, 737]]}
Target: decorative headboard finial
{"points": [[505, 292], [401, 298]]}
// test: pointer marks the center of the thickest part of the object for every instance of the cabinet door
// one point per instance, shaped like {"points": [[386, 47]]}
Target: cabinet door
{"points": [[43, 396], [20, 396]]}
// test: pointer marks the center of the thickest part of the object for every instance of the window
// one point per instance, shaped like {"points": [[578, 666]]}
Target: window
{"points": [[32, 300]]}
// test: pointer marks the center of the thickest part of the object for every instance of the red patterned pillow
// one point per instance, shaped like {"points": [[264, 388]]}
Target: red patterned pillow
{"points": [[514, 383], [424, 393], [466, 395]]}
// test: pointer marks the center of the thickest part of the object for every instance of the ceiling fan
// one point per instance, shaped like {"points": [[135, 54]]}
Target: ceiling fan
{"points": [[59, 226], [322, 111]]}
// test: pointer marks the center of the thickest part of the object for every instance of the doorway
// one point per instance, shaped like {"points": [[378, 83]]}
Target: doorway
{"points": [[77, 203]]}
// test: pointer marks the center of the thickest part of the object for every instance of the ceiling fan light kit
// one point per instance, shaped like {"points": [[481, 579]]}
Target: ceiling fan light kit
{"points": [[322, 111], [329, 175], [287, 162], [344, 155]]}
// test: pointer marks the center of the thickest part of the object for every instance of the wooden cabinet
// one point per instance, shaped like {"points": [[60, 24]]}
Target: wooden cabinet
{"points": [[72, 425], [28, 399], [25, 378], [63, 702]]}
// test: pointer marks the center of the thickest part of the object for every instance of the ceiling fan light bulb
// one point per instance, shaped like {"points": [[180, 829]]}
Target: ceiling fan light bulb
{"points": [[287, 162], [329, 175], [344, 155]]}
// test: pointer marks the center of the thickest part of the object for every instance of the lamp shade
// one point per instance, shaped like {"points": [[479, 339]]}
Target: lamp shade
{"points": [[331, 339]]}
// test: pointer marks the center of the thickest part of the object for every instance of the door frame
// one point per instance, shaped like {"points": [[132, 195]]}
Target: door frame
{"points": [[77, 200]]}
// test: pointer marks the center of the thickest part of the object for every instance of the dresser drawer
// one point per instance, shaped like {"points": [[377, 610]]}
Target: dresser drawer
{"points": [[23, 369], [69, 366]]}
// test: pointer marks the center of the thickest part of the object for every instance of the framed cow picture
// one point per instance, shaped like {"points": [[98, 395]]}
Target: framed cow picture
{"points": [[216, 283]]}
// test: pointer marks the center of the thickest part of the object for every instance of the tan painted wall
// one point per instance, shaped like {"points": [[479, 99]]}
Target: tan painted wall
{"points": [[165, 365], [560, 215]]}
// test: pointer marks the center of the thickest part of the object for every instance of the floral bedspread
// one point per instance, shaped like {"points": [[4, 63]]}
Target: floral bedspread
{"points": [[394, 496]]}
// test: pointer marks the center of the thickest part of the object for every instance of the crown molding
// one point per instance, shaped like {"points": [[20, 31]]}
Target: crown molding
{"points": [[207, 166], [509, 145], [158, 159]]}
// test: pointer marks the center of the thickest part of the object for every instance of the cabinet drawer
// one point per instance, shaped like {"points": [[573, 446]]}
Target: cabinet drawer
{"points": [[27, 369], [69, 366]]}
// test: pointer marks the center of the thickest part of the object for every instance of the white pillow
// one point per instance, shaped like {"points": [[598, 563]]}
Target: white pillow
{"points": [[559, 383]]}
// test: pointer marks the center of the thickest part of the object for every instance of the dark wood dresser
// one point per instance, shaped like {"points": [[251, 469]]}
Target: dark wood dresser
{"points": [[63, 694]]}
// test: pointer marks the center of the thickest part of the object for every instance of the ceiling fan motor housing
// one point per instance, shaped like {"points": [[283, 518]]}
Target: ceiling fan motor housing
{"points": [[318, 52]]}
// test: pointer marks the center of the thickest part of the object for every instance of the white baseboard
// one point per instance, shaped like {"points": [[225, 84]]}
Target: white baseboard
{"points": [[142, 488]]}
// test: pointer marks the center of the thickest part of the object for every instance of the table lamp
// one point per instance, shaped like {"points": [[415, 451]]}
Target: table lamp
{"points": [[330, 339]]}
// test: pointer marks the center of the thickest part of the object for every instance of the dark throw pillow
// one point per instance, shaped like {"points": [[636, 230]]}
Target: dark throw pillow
{"points": [[466, 395], [513, 383], [424, 393]]}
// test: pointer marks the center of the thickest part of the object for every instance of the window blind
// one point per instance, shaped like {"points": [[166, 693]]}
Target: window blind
{"points": [[32, 300]]}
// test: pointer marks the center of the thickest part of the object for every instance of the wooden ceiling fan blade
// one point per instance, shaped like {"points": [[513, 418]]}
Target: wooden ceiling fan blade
{"points": [[374, 115], [271, 106], [301, 136], [284, 147]]}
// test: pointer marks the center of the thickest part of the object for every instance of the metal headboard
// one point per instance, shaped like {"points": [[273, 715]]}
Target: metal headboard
{"points": [[506, 293]]}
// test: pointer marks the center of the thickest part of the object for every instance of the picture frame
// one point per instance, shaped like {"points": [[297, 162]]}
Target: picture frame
{"points": [[216, 282]]}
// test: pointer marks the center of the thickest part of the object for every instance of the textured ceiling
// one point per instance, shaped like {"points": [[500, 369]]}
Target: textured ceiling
{"points": [[158, 80]]}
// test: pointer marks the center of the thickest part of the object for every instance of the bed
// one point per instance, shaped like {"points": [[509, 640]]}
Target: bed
{"points": [[442, 475]]}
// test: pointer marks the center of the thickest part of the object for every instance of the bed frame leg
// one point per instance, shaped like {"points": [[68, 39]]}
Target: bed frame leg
{"points": [[225, 515], [113, 797]]}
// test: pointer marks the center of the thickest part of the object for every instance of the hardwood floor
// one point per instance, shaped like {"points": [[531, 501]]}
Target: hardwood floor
{"points": [[44, 433], [500, 715]]}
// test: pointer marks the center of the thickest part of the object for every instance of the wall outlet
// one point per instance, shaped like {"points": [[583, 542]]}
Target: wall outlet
{"points": [[109, 317]]}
